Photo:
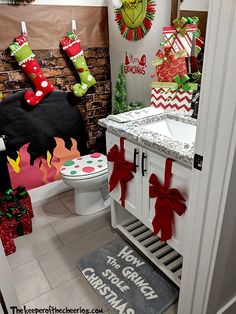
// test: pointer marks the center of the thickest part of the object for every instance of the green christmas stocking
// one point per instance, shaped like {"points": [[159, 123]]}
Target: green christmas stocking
{"points": [[71, 45]]}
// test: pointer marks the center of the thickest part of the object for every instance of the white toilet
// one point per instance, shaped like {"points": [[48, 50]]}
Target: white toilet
{"points": [[88, 175]]}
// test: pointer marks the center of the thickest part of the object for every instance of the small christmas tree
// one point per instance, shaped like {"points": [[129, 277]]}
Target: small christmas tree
{"points": [[119, 104]]}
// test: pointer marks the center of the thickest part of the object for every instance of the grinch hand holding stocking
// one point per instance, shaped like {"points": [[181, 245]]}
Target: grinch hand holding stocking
{"points": [[23, 54]]}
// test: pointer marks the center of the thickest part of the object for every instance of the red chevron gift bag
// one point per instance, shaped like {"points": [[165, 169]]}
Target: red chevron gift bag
{"points": [[168, 96]]}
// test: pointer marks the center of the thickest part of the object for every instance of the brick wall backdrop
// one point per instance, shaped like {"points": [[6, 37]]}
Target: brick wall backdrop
{"points": [[56, 66]]}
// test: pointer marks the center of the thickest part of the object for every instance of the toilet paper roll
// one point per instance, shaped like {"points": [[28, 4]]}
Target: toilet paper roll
{"points": [[2, 145]]}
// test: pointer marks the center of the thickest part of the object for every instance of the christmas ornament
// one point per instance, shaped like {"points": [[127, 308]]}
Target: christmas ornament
{"points": [[71, 45], [119, 103], [134, 18], [168, 201], [122, 169], [23, 54]]}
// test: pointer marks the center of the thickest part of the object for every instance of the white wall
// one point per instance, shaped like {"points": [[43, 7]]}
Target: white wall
{"points": [[195, 5]]}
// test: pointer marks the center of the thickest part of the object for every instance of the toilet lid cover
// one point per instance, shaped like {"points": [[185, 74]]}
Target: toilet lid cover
{"points": [[85, 165]]}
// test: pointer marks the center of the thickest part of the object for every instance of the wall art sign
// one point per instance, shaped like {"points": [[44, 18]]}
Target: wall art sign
{"points": [[134, 18], [135, 65]]}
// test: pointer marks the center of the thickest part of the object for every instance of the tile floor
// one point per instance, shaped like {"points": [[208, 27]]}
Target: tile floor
{"points": [[44, 265]]}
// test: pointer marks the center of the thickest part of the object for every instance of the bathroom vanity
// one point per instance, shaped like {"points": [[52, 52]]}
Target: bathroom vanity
{"points": [[148, 142]]}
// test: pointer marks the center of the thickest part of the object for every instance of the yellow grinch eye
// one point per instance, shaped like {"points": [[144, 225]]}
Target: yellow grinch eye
{"points": [[133, 3]]}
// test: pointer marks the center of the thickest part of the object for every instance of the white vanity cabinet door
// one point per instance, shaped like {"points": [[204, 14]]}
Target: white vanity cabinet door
{"points": [[180, 179], [133, 199]]}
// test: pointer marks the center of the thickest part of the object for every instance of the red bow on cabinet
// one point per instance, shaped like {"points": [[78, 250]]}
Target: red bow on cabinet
{"points": [[168, 201], [122, 169]]}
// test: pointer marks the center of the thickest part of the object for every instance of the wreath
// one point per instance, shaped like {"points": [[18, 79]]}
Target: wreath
{"points": [[134, 17]]}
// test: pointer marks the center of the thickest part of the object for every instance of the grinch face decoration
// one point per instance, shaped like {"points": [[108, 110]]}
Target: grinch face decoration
{"points": [[134, 17], [134, 12]]}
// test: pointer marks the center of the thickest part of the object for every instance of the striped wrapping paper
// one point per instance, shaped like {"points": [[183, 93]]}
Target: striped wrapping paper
{"points": [[178, 42]]}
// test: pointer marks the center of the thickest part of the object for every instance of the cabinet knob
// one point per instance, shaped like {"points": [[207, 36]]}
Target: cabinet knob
{"points": [[143, 158]]}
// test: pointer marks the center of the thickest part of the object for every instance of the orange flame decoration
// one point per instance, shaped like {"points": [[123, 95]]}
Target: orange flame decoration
{"points": [[43, 171]]}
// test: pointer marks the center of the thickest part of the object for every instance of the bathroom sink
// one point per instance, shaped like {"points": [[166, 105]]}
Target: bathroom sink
{"points": [[174, 129]]}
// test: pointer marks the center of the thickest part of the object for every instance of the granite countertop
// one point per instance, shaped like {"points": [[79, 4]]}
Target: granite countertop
{"points": [[173, 148]]}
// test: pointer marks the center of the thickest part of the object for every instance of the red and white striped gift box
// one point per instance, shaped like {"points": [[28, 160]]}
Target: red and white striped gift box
{"points": [[167, 96], [176, 41]]}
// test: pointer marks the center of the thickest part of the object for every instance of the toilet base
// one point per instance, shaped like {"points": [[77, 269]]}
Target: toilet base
{"points": [[87, 203]]}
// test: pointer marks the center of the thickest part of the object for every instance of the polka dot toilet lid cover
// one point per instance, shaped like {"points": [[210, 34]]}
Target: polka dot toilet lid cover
{"points": [[85, 165]]}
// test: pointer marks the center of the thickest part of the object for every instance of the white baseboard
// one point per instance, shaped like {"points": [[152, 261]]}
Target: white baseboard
{"points": [[229, 307], [48, 192]]}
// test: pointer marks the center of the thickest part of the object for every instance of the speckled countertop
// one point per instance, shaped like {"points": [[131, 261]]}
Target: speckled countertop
{"points": [[171, 147]]}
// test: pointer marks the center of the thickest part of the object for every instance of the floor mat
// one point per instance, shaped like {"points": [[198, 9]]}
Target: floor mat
{"points": [[125, 282]]}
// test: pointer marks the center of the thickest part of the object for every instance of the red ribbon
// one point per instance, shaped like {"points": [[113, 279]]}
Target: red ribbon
{"points": [[122, 169], [168, 201], [166, 56]]}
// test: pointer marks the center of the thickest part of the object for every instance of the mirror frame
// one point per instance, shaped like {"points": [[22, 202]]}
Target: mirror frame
{"points": [[175, 4]]}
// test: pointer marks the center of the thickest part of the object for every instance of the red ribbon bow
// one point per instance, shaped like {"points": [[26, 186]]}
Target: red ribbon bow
{"points": [[122, 170], [168, 201], [166, 56]]}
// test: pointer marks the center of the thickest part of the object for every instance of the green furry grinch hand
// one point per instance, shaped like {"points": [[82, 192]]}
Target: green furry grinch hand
{"points": [[71, 45]]}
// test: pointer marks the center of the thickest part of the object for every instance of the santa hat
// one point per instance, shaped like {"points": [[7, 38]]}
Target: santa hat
{"points": [[117, 4]]}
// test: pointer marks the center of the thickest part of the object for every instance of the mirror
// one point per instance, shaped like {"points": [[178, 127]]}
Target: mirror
{"points": [[191, 8]]}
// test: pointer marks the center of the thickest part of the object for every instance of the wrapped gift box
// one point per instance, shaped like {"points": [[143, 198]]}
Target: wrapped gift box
{"points": [[183, 36], [7, 241], [169, 96], [199, 44], [19, 223], [168, 65], [15, 216], [24, 200], [17, 197], [191, 63]]}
